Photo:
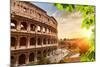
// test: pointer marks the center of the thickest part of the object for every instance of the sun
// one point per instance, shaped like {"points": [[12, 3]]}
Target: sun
{"points": [[87, 32]]}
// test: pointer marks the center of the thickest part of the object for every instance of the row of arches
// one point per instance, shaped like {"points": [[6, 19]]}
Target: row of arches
{"points": [[22, 59], [32, 57], [33, 27], [35, 12], [33, 41]]}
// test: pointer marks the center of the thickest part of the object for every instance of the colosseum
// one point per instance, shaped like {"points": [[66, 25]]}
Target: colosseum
{"points": [[33, 33]]}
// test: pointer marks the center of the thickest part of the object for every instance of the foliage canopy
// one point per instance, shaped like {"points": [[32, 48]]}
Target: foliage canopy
{"points": [[88, 15]]}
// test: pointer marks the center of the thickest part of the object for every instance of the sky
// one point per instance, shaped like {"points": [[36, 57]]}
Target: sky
{"points": [[69, 23]]}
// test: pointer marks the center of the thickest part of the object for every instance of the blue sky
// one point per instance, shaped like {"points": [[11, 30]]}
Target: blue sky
{"points": [[69, 24], [48, 7]]}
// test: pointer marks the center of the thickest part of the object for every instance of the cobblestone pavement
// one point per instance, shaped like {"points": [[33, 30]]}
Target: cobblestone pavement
{"points": [[64, 54], [58, 55]]}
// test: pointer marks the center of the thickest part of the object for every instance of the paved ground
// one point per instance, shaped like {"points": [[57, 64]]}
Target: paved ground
{"points": [[72, 58], [58, 55], [64, 54]]}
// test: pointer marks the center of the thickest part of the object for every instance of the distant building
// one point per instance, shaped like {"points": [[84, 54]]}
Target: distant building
{"points": [[33, 33], [71, 43]]}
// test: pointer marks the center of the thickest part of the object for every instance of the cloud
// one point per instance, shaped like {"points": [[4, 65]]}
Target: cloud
{"points": [[72, 15], [69, 24]]}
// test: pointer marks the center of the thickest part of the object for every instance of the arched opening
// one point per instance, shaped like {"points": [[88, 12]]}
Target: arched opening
{"points": [[44, 30], [51, 41], [31, 57], [49, 52], [32, 41], [23, 41], [39, 41], [21, 59], [23, 26], [25, 9], [13, 24], [12, 60], [33, 27], [44, 41], [38, 29], [13, 41], [39, 15], [48, 41]]}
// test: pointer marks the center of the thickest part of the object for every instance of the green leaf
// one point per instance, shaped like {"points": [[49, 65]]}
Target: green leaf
{"points": [[88, 15], [59, 6], [67, 8], [71, 8]]}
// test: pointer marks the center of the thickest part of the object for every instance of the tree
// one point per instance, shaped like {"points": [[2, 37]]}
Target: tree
{"points": [[88, 15]]}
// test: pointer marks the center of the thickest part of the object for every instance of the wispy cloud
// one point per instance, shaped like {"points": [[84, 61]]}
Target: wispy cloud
{"points": [[69, 23]]}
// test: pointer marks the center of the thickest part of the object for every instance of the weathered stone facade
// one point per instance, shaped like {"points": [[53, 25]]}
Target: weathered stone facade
{"points": [[33, 33]]}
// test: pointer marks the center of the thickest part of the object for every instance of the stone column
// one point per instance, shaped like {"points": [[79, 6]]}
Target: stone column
{"points": [[52, 51], [27, 58], [47, 51], [42, 55], [35, 57], [18, 26], [28, 28], [36, 29], [41, 41], [18, 42], [36, 40], [46, 41], [41, 29], [16, 60], [50, 41], [36, 36], [28, 41]]}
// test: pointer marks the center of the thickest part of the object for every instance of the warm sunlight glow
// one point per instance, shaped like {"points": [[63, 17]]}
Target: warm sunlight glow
{"points": [[87, 32]]}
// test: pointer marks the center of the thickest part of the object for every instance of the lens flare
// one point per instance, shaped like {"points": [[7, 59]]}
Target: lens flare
{"points": [[87, 32]]}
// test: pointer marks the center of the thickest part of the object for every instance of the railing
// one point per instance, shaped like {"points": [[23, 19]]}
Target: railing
{"points": [[33, 32], [34, 46]]}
